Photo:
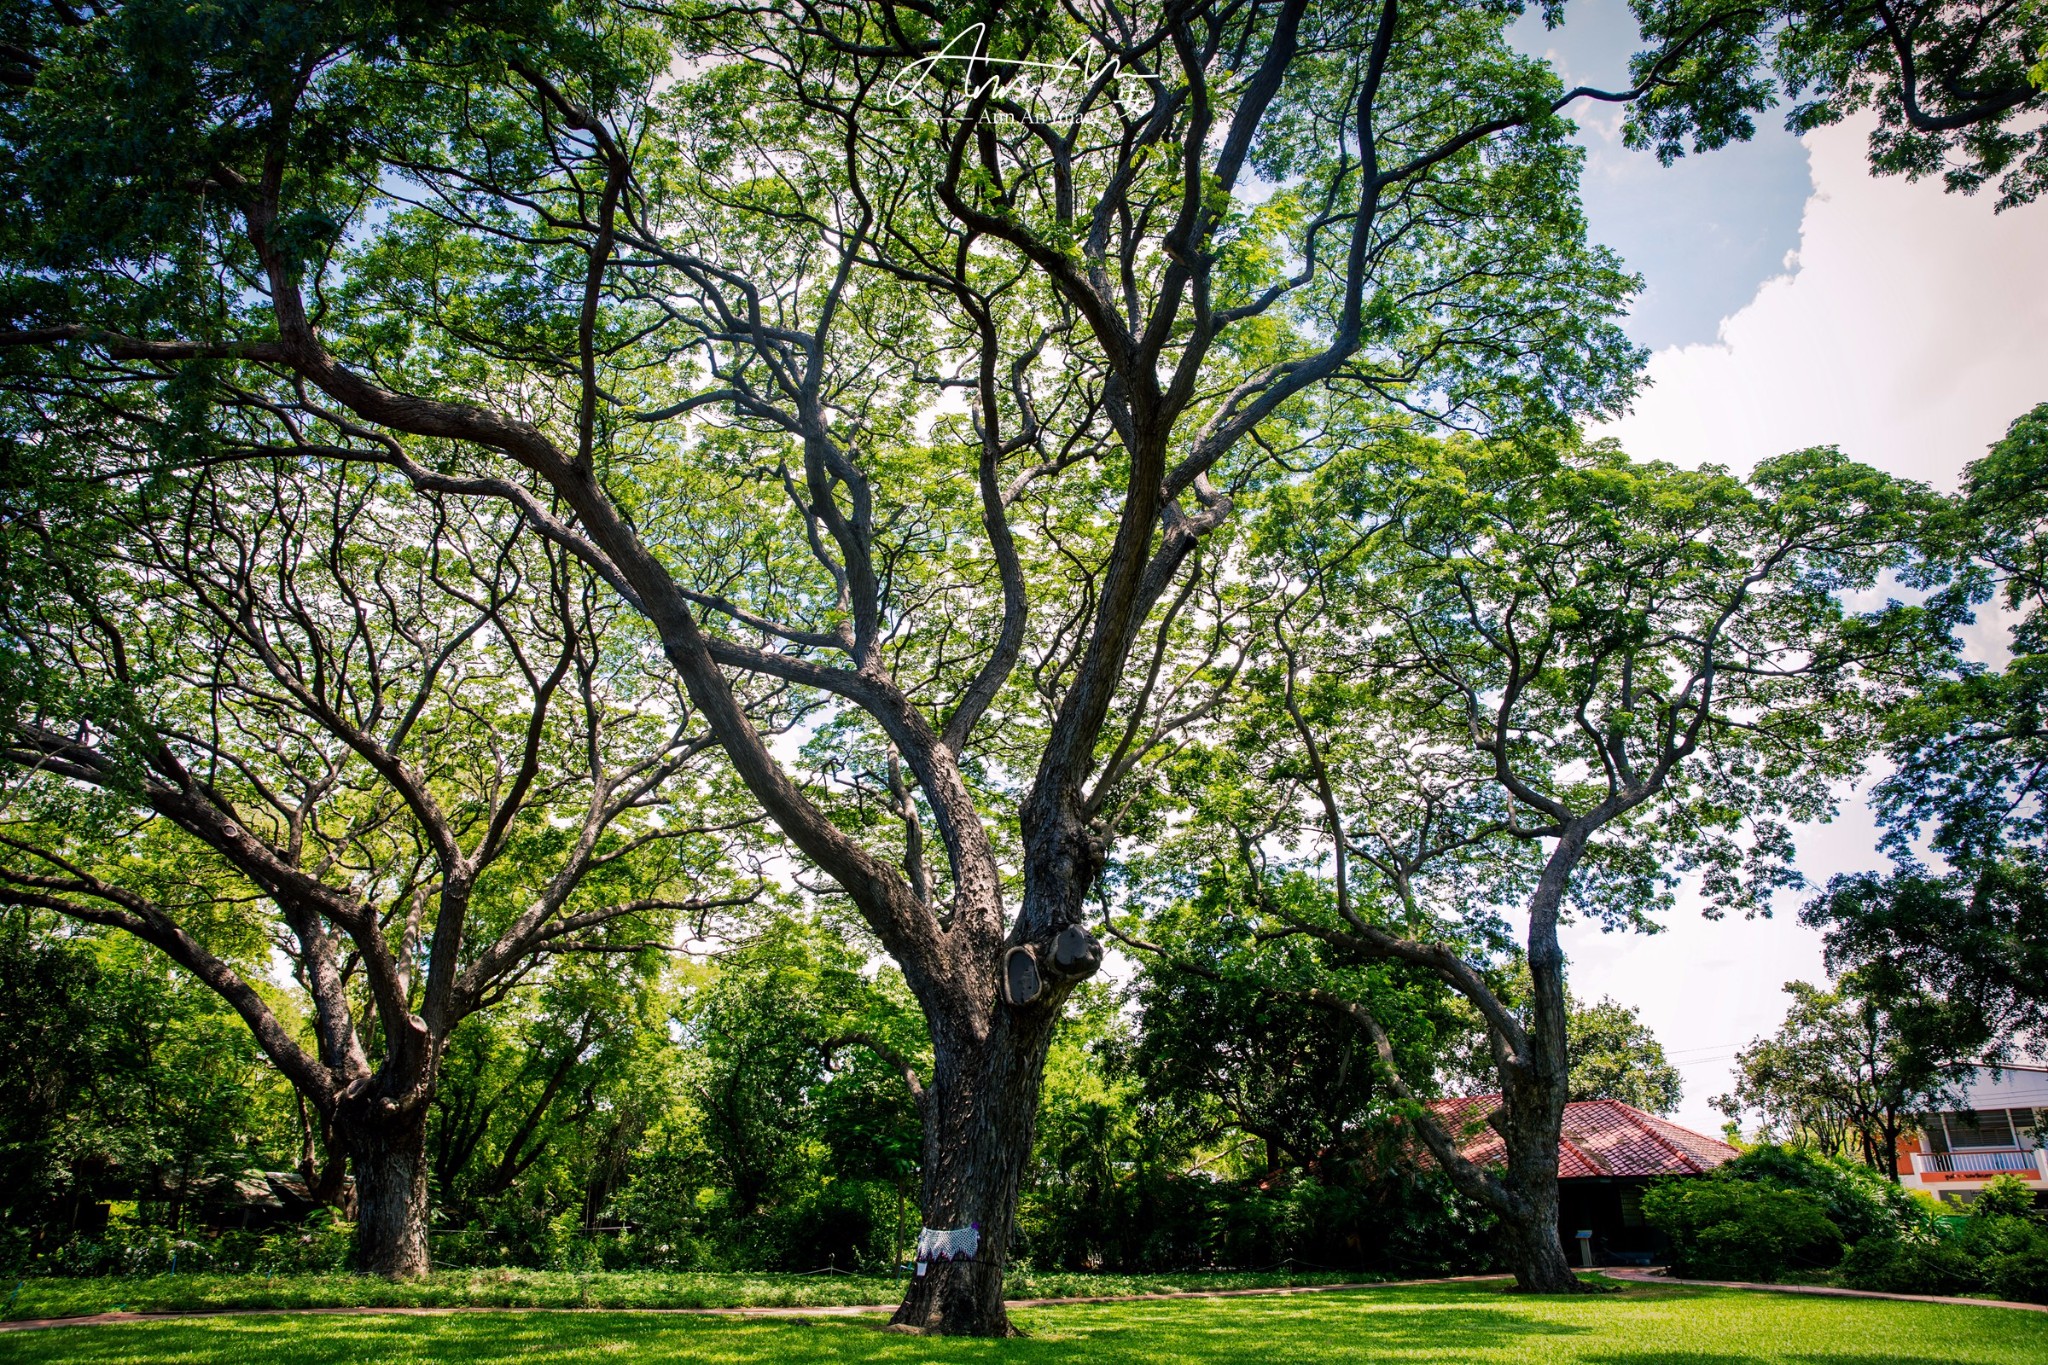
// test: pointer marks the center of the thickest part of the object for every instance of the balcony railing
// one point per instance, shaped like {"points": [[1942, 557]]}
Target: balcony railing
{"points": [[1987, 1161]]}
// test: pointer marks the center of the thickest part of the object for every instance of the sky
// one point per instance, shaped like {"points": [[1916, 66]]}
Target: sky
{"points": [[1791, 299]]}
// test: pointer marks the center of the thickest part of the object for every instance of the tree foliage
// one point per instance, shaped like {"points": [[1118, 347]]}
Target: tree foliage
{"points": [[876, 380], [119, 1080], [1970, 930], [1849, 1068], [1510, 683], [1615, 1056], [403, 744]]}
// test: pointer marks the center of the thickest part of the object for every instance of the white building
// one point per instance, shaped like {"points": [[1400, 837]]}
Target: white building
{"points": [[1999, 1127]]}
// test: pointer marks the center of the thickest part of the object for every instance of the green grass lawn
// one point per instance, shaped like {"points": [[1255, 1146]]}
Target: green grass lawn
{"points": [[60, 1298], [1639, 1326]]}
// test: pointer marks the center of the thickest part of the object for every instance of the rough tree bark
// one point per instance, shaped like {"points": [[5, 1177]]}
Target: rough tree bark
{"points": [[980, 1114], [387, 1147]]}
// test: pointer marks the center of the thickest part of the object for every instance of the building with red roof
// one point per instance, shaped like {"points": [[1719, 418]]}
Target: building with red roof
{"points": [[1607, 1153]]}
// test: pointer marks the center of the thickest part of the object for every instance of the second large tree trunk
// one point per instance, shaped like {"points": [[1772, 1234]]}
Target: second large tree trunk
{"points": [[1535, 1253], [1532, 1122], [979, 1114]]}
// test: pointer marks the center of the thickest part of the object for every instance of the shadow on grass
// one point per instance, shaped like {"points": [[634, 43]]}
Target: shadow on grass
{"points": [[1439, 1323]]}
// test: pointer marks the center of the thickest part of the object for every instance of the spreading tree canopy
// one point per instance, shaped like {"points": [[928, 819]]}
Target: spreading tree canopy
{"points": [[405, 744], [909, 358], [1491, 688]]}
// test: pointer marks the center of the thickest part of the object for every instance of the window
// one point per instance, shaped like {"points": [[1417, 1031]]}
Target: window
{"points": [[1980, 1128], [1631, 1206]]}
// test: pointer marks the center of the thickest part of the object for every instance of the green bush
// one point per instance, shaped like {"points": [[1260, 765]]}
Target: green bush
{"points": [[126, 1249], [323, 1242], [847, 1225], [1857, 1200], [1993, 1250], [1733, 1229], [2021, 1276], [1998, 1234], [1890, 1265], [2006, 1196]]}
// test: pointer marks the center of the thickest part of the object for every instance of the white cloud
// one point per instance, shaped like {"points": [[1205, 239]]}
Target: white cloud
{"points": [[1910, 332], [1707, 987]]}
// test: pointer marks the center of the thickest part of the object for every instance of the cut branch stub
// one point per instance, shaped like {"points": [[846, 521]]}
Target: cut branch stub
{"points": [[1022, 981], [1030, 969], [1075, 953]]}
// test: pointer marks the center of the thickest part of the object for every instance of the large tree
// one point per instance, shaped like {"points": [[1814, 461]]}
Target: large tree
{"points": [[405, 744], [1848, 1070], [857, 354], [1968, 926], [1500, 687]]}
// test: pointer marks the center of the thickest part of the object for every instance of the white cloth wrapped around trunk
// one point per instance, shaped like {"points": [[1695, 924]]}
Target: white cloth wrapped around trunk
{"points": [[948, 1244]]}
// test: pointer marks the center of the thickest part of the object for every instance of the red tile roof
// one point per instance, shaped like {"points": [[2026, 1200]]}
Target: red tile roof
{"points": [[1600, 1138]]}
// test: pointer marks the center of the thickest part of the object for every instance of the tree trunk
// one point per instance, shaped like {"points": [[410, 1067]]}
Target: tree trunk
{"points": [[1535, 1253], [1530, 1123], [389, 1152], [1533, 1092], [979, 1113]]}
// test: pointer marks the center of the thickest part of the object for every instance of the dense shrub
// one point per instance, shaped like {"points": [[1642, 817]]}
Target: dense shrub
{"points": [[325, 1241], [1402, 1224], [127, 1249], [2004, 1196], [1893, 1266], [1732, 1229], [1991, 1249], [2021, 1276], [1857, 1200], [847, 1225]]}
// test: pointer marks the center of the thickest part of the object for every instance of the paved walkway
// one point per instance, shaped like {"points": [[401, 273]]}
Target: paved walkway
{"points": [[1828, 1291]]}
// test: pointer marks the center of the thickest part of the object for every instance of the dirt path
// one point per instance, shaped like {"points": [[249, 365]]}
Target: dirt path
{"points": [[1658, 1277]]}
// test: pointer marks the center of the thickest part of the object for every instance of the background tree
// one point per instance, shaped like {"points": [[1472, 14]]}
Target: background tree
{"points": [[805, 1071], [1970, 753], [120, 1080], [1615, 1056], [1503, 681], [540, 1099], [400, 743], [1230, 1039], [1846, 1071]]}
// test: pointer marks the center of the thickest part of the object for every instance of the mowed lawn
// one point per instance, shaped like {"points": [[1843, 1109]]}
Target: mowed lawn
{"points": [[1638, 1326]]}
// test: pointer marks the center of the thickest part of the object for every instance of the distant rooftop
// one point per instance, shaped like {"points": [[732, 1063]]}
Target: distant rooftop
{"points": [[1600, 1138]]}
